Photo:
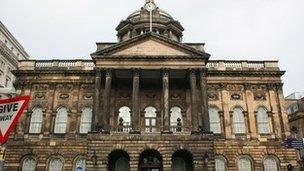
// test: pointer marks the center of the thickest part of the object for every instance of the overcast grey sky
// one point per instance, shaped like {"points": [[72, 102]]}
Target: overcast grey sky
{"points": [[231, 29]]}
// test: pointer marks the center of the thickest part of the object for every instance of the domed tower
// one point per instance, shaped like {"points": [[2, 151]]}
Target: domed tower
{"points": [[139, 22]]}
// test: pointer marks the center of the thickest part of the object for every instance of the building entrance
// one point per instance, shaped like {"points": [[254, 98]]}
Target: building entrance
{"points": [[150, 160]]}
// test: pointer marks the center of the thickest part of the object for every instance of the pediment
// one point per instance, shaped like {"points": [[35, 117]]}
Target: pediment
{"points": [[149, 45]]}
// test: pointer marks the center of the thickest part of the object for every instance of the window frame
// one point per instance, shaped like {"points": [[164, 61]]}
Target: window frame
{"points": [[84, 121], [66, 122], [152, 128], [219, 123], [244, 122], [31, 122]]}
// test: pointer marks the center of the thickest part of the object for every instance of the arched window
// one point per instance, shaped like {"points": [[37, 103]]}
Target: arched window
{"points": [[125, 116], [176, 119], [80, 164], [86, 121], [36, 121], [55, 164], [215, 121], [61, 121], [29, 164], [150, 119], [220, 164], [270, 164], [262, 120], [244, 164], [239, 126]]}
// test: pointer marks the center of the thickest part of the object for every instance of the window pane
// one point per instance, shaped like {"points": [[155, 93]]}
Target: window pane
{"points": [[270, 164], [244, 164], [61, 121], [125, 114], [55, 165], [153, 122], [263, 121], [176, 113], [36, 121], [86, 121], [215, 122], [80, 165], [220, 165], [239, 126], [29, 164]]}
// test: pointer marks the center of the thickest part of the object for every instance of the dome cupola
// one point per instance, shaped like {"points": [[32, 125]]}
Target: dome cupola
{"points": [[140, 22]]}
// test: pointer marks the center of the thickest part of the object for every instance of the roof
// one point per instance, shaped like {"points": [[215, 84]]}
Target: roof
{"points": [[153, 35]]}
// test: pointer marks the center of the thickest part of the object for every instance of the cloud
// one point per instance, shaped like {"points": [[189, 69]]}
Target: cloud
{"points": [[231, 29]]}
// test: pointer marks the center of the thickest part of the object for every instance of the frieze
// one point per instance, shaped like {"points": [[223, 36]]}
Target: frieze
{"points": [[64, 86], [40, 87], [235, 87], [214, 87], [87, 87]]}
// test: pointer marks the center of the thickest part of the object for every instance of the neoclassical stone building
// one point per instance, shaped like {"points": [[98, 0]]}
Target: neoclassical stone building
{"points": [[150, 102]]}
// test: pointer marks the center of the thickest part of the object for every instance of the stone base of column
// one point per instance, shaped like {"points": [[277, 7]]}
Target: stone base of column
{"points": [[105, 132], [166, 132], [134, 132]]}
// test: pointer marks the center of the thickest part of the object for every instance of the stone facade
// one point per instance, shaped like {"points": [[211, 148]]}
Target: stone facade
{"points": [[150, 97]]}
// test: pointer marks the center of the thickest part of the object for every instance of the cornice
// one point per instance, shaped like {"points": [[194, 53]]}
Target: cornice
{"points": [[130, 58]]}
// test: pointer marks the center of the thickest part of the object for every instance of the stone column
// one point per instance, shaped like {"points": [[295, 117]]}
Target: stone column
{"points": [[135, 101], [166, 100], [97, 117], [106, 101], [194, 118], [204, 119]]}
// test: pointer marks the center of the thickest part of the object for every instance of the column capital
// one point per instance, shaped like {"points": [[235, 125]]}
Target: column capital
{"points": [[108, 72], [166, 72], [203, 72], [193, 71], [136, 72]]}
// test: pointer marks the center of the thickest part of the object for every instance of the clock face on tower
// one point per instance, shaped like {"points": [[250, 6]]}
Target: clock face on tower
{"points": [[150, 6]]}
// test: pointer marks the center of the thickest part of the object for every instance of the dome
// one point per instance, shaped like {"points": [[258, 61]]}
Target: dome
{"points": [[138, 22]]}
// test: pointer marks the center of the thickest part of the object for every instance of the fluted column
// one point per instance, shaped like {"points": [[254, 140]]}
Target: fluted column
{"points": [[166, 100], [106, 101], [204, 118], [135, 101], [97, 118], [194, 118]]}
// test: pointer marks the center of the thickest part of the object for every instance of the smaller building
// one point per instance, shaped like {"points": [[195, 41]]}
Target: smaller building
{"points": [[11, 52], [295, 110]]}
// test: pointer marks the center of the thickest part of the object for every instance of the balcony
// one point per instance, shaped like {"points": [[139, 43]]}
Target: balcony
{"points": [[56, 64], [242, 65]]}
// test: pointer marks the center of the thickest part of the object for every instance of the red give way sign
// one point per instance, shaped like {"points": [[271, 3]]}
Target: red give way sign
{"points": [[10, 112]]}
